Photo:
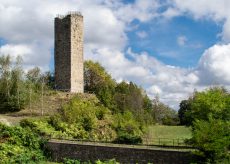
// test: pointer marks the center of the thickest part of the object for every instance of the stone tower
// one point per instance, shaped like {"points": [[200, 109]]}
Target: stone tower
{"points": [[69, 52]]}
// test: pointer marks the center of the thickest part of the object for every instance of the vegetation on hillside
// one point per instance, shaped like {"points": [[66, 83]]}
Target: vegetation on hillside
{"points": [[208, 113], [108, 111], [20, 145], [17, 89], [117, 112], [126, 97]]}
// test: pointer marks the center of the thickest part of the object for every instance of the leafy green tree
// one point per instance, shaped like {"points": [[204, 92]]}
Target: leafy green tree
{"points": [[34, 75], [209, 114], [128, 129], [118, 97], [214, 101], [163, 114], [184, 112], [98, 81], [128, 96], [5, 72], [212, 138], [12, 89]]}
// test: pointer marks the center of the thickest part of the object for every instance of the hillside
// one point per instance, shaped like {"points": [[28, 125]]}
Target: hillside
{"points": [[52, 101]]}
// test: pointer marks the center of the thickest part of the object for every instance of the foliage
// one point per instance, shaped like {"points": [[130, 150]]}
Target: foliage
{"points": [[98, 81], [20, 145], [212, 138], [213, 102], [208, 113], [163, 114], [128, 129], [18, 89], [12, 92], [83, 117], [128, 97], [184, 112], [74, 161], [118, 97]]}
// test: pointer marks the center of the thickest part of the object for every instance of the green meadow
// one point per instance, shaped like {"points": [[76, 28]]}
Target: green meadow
{"points": [[167, 135]]}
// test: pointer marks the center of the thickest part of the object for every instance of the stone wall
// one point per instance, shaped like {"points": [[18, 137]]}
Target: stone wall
{"points": [[69, 52], [121, 154]]}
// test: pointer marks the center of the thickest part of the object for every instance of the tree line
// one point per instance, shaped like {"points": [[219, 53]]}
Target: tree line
{"points": [[20, 88], [126, 96], [17, 87]]}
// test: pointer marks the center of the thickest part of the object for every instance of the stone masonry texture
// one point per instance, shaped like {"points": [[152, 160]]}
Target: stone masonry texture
{"points": [[60, 150], [69, 52]]}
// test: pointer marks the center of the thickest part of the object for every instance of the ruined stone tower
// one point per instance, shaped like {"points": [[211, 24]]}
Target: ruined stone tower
{"points": [[69, 52]]}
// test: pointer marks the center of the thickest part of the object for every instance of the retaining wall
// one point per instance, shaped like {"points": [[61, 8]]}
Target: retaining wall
{"points": [[84, 152]]}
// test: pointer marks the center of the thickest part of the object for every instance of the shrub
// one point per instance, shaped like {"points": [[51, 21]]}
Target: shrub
{"points": [[128, 129], [20, 145], [212, 138]]}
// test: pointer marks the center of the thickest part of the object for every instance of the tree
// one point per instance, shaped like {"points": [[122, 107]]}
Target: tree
{"points": [[98, 81], [183, 112], [18, 98], [12, 90], [163, 114], [213, 101], [34, 75], [118, 97], [210, 120], [212, 138], [5, 73]]}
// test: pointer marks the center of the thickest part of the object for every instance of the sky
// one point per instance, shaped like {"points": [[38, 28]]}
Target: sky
{"points": [[168, 47]]}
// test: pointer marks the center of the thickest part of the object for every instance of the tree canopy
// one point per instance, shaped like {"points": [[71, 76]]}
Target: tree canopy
{"points": [[208, 112]]}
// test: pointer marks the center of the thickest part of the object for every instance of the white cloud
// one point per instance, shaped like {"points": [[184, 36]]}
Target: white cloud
{"points": [[29, 54], [214, 65], [181, 40], [170, 13], [142, 10], [208, 9], [141, 34], [27, 27], [171, 83], [15, 50]]}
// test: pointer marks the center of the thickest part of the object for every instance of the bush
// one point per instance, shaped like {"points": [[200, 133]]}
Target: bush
{"points": [[212, 138], [126, 138], [128, 129], [82, 118], [20, 145]]}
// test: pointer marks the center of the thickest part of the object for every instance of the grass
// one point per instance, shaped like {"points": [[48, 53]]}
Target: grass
{"points": [[52, 101], [167, 135]]}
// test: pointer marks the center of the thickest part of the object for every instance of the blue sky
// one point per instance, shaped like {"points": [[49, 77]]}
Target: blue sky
{"points": [[161, 40], [168, 47]]}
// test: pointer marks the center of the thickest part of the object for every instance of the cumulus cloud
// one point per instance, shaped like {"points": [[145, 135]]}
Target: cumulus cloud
{"points": [[203, 9], [214, 66], [105, 22], [28, 31], [170, 13], [140, 10], [181, 40], [15, 50]]}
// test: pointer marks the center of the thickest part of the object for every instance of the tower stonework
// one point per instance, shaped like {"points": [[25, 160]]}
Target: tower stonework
{"points": [[69, 52]]}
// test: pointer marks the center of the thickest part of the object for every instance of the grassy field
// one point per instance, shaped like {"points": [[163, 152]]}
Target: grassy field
{"points": [[167, 135]]}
